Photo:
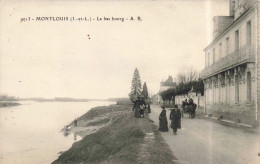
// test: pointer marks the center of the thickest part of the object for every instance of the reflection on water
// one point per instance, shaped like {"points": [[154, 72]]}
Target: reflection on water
{"points": [[30, 133]]}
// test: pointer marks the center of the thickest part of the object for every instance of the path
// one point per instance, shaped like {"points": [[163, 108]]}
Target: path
{"points": [[207, 142]]}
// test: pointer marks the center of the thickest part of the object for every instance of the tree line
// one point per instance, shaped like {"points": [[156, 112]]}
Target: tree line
{"points": [[186, 79], [183, 88]]}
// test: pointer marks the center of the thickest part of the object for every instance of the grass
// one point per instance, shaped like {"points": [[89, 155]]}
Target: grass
{"points": [[99, 122], [122, 141]]}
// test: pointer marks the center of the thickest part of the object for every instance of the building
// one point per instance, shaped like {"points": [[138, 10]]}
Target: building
{"points": [[165, 85], [231, 74]]}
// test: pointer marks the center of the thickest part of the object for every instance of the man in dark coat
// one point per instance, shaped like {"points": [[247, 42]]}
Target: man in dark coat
{"points": [[75, 122], [186, 102], [192, 108], [163, 123], [175, 117], [190, 101], [138, 104], [149, 108]]}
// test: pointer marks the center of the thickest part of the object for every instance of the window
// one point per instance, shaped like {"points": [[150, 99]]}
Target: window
{"points": [[214, 54], [236, 40], [220, 50], [249, 34], [234, 6], [249, 87], [236, 89], [208, 59], [239, 2], [227, 46]]}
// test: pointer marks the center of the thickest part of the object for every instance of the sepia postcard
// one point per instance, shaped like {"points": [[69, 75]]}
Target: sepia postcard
{"points": [[130, 81]]}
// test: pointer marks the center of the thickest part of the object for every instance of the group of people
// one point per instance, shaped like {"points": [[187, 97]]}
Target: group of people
{"points": [[140, 106], [189, 107], [175, 117]]}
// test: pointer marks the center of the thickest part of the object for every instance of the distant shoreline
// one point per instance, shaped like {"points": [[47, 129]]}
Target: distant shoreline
{"points": [[67, 99], [4, 104], [15, 102]]}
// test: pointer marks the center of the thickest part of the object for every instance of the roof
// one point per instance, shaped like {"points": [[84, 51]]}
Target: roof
{"points": [[168, 82]]}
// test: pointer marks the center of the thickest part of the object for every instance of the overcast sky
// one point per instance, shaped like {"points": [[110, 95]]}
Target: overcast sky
{"points": [[56, 59]]}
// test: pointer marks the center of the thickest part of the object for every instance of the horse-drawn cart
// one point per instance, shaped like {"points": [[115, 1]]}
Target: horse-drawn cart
{"points": [[190, 109]]}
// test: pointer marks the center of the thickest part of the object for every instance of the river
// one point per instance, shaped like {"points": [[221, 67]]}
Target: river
{"points": [[30, 133]]}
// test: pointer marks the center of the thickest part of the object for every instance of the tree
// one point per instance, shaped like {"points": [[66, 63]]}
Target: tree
{"points": [[145, 91], [181, 77], [136, 88], [192, 74], [188, 75]]}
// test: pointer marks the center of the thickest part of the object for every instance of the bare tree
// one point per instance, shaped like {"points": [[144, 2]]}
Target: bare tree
{"points": [[188, 75], [192, 74], [181, 77]]}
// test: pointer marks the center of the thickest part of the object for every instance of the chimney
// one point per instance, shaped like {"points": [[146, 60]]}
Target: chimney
{"points": [[231, 7]]}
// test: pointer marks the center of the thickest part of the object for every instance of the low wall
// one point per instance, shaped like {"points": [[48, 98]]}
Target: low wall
{"points": [[242, 113]]}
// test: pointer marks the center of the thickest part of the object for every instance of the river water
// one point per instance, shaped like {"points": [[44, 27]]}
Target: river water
{"points": [[30, 133]]}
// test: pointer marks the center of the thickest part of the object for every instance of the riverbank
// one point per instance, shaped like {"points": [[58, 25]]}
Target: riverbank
{"points": [[8, 104], [112, 135]]}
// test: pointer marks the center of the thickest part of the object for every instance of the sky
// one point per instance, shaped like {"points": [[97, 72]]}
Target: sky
{"points": [[57, 59]]}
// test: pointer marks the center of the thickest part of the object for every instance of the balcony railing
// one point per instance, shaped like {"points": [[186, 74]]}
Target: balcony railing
{"points": [[243, 55]]}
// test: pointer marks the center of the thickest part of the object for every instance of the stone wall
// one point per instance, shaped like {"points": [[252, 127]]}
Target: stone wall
{"points": [[243, 113]]}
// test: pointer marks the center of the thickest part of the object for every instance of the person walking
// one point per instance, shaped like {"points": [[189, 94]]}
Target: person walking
{"points": [[194, 110], [163, 123], [75, 122], [149, 108], [175, 117]]}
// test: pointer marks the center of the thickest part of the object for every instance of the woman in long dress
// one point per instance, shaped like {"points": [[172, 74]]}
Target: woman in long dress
{"points": [[163, 123]]}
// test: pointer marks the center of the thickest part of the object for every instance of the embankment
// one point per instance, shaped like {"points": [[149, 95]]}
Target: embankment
{"points": [[118, 138]]}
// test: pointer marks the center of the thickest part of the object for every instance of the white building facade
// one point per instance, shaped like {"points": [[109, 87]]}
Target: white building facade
{"points": [[231, 74]]}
